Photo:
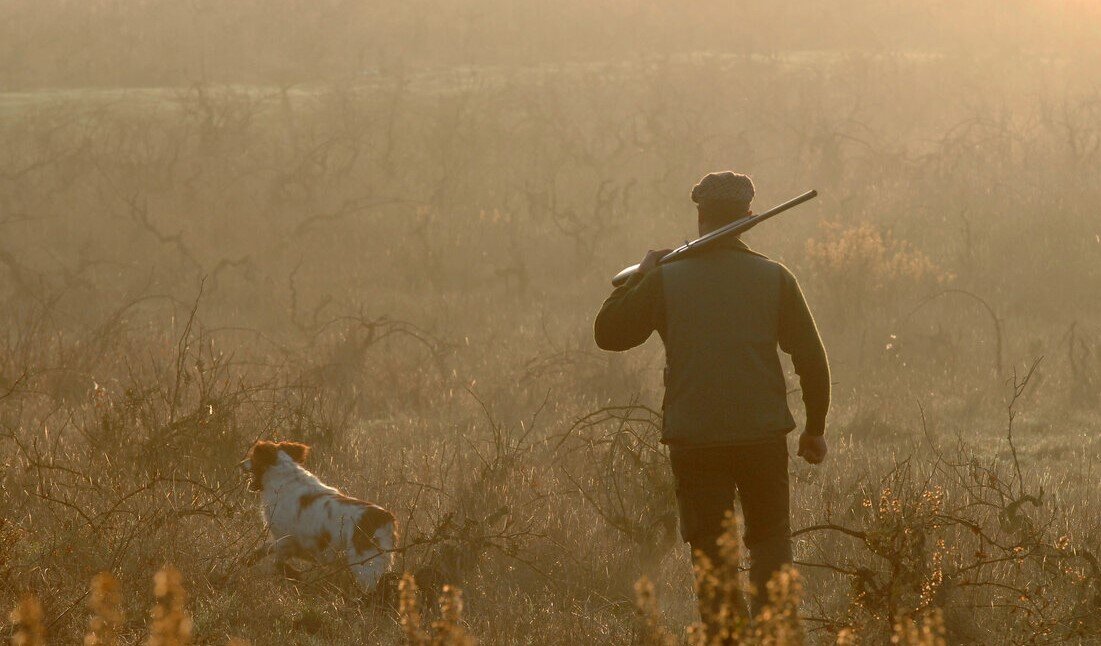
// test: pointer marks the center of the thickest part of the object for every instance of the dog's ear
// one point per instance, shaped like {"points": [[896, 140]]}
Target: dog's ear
{"points": [[296, 450], [262, 454]]}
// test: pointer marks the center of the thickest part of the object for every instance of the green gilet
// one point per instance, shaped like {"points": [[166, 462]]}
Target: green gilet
{"points": [[724, 383]]}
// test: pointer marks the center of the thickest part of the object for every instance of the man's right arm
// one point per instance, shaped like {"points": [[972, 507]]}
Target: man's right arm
{"points": [[631, 313]]}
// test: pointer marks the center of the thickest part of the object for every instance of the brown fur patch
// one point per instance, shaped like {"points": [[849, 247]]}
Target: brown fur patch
{"points": [[261, 456], [372, 517], [297, 450], [323, 540], [264, 454], [305, 500]]}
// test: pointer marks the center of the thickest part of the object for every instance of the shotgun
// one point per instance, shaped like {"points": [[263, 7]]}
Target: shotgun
{"points": [[740, 225]]}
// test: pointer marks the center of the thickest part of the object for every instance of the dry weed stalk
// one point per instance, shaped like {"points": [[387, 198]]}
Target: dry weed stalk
{"points": [[449, 629], [171, 624], [446, 631], [847, 637], [27, 626], [105, 603], [930, 633], [778, 624], [719, 588], [652, 631], [409, 612], [722, 605]]}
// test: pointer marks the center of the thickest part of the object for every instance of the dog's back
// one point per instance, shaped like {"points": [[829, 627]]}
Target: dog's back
{"points": [[362, 533]]}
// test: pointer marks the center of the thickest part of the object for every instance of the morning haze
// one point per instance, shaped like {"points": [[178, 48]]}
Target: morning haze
{"points": [[384, 230]]}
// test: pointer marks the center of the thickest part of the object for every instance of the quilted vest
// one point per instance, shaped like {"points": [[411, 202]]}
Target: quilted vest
{"points": [[723, 381]]}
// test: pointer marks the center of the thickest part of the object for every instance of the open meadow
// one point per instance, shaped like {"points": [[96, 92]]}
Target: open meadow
{"points": [[385, 232]]}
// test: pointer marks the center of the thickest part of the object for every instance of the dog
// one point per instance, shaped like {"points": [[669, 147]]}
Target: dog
{"points": [[309, 519]]}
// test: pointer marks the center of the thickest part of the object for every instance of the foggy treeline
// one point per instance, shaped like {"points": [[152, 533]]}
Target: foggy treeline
{"points": [[51, 43], [385, 228]]}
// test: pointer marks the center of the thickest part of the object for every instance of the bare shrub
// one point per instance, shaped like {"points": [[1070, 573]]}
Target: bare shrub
{"points": [[866, 268], [619, 468]]}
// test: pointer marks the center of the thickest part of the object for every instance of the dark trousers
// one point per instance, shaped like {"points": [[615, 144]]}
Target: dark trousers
{"points": [[708, 481]]}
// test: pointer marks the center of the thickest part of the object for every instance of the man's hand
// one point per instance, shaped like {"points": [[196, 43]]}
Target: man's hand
{"points": [[651, 260], [812, 448]]}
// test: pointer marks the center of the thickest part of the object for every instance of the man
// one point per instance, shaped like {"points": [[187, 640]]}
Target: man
{"points": [[721, 313]]}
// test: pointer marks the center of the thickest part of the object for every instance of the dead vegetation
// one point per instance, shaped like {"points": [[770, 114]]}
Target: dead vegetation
{"points": [[355, 228]]}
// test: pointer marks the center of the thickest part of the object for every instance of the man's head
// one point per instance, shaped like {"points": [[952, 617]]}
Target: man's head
{"points": [[722, 198]]}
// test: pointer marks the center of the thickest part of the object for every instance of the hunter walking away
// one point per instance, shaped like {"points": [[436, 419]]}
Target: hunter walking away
{"points": [[722, 313]]}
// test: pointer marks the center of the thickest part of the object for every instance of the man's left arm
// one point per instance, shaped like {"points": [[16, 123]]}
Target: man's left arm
{"points": [[799, 338]]}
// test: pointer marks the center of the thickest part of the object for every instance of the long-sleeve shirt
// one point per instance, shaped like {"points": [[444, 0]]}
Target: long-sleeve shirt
{"points": [[721, 314]]}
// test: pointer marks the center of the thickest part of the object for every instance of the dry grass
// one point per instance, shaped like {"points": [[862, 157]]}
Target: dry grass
{"points": [[401, 268], [170, 624]]}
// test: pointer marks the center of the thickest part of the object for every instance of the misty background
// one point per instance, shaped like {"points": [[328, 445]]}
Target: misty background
{"points": [[385, 229]]}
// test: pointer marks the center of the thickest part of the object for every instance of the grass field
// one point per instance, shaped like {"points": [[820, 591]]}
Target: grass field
{"points": [[400, 267]]}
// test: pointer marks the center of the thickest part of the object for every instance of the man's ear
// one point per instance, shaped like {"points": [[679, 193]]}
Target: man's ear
{"points": [[296, 450]]}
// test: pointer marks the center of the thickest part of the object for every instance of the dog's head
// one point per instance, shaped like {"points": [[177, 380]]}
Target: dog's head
{"points": [[264, 455]]}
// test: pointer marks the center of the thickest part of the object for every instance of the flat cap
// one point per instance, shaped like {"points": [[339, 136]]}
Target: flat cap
{"points": [[726, 186]]}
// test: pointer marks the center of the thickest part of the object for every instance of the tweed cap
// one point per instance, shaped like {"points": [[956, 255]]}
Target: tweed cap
{"points": [[726, 186]]}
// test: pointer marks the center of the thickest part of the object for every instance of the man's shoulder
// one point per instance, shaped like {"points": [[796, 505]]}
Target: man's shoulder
{"points": [[743, 251], [706, 259], [642, 286], [761, 260], [770, 267]]}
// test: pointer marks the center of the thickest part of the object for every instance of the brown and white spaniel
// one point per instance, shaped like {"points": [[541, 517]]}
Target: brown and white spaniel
{"points": [[309, 519]]}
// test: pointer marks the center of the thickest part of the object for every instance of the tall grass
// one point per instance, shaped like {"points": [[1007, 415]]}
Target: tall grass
{"points": [[401, 268]]}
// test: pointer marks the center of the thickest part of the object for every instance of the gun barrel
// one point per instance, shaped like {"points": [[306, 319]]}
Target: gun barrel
{"points": [[734, 228]]}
